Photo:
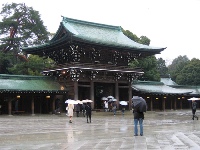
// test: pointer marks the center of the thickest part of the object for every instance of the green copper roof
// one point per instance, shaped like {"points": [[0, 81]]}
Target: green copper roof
{"points": [[28, 83], [168, 81], [159, 87], [101, 34], [95, 33]]}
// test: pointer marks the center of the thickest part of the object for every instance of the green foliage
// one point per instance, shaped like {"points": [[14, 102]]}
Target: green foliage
{"points": [[20, 26], [134, 63], [176, 67], [149, 65], [144, 40], [190, 74], [130, 35], [4, 63], [34, 66], [162, 68]]}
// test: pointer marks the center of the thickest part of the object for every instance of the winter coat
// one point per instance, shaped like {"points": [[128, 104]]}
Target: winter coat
{"points": [[194, 105], [70, 109], [138, 115], [77, 107], [88, 109]]}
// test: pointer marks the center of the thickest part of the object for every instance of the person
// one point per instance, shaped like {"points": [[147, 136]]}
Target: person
{"points": [[70, 110], [105, 106], [123, 109], [77, 108], [88, 111], [138, 117], [58, 106], [66, 109], [114, 107], [83, 109], [194, 108]]}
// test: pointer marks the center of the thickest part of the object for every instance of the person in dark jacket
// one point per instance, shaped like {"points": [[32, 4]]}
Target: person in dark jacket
{"points": [[194, 108], [83, 109], [88, 111], [138, 117], [77, 108]]}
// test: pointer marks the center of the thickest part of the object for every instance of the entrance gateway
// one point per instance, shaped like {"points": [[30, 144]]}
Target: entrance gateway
{"points": [[92, 60]]}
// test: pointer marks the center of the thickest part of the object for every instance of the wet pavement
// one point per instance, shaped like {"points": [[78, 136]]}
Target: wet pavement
{"points": [[169, 130]]}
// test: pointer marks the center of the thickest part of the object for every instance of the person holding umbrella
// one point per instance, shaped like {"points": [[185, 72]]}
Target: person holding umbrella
{"points": [[194, 108], [140, 106], [88, 111], [123, 103], [70, 110]]}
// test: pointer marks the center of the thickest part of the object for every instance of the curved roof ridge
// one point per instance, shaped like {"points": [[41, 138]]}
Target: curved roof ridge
{"points": [[66, 19]]}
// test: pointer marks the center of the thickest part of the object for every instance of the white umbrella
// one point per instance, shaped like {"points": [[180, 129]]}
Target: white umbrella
{"points": [[87, 100], [114, 100], [110, 97], [79, 102], [123, 103], [104, 98], [70, 101], [194, 99]]}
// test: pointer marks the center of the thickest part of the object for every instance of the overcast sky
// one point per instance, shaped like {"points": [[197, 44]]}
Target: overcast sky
{"points": [[174, 24]]}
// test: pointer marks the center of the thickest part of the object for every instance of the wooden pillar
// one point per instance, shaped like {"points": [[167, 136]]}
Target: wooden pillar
{"points": [[117, 93], [171, 100], [163, 104], [32, 106], [75, 90], [92, 93], [130, 95], [53, 105], [151, 104], [175, 103], [181, 105], [9, 106]]}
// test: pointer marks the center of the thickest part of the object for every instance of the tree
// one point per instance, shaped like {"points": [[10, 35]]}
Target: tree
{"points": [[149, 64], [34, 66], [161, 65], [130, 35], [144, 40], [177, 65], [4, 63], [190, 74], [20, 26]]}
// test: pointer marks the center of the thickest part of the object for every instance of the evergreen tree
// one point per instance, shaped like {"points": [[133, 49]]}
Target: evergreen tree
{"points": [[21, 26]]}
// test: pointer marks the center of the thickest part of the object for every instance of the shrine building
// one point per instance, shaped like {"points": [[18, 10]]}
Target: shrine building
{"points": [[91, 60]]}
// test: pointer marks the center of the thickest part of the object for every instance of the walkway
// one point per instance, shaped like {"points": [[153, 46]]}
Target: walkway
{"points": [[170, 130]]}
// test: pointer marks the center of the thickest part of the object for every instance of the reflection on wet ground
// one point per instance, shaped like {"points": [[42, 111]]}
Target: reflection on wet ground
{"points": [[167, 130]]}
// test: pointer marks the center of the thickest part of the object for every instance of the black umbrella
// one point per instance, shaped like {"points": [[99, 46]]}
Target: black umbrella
{"points": [[139, 104]]}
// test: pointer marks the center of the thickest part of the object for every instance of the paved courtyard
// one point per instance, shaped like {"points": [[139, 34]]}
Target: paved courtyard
{"points": [[170, 130]]}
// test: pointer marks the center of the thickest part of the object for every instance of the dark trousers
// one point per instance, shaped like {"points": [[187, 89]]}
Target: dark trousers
{"points": [[88, 116], [193, 112], [77, 113]]}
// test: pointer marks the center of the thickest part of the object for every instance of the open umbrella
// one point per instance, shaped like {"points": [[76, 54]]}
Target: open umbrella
{"points": [[139, 104], [104, 98], [194, 99], [114, 100], [70, 101], [110, 97], [87, 100], [79, 102], [123, 103]]}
